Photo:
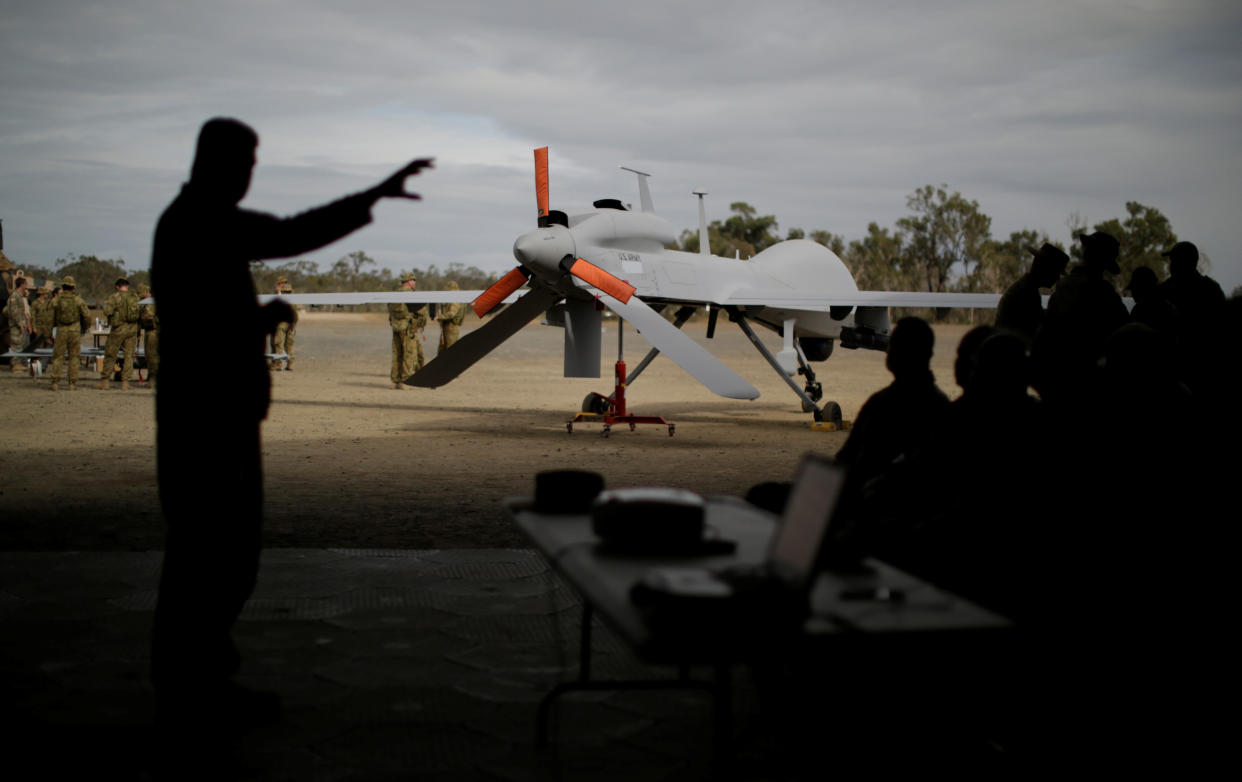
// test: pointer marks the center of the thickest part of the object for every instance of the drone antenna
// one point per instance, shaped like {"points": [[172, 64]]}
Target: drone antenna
{"points": [[704, 242], [644, 194]]}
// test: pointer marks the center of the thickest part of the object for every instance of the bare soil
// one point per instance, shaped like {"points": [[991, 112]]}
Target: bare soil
{"points": [[351, 462]]}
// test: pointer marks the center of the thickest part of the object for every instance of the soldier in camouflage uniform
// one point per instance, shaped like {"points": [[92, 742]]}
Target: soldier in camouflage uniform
{"points": [[17, 311], [450, 317], [121, 309], [283, 337], [149, 323], [44, 317], [72, 318], [407, 321]]}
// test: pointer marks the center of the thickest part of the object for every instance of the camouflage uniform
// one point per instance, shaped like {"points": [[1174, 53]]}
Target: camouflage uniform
{"points": [[407, 323], [44, 317], [71, 317], [17, 309], [450, 317], [150, 324], [284, 336], [121, 309]]}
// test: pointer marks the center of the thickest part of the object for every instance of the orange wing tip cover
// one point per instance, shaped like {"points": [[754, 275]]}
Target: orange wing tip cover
{"points": [[489, 298], [541, 180], [591, 274]]}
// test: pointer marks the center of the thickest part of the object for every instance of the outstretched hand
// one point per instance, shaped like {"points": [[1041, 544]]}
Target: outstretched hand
{"points": [[394, 186]]}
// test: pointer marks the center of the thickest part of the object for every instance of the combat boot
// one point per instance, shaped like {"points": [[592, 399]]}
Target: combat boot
{"points": [[124, 385], [102, 385], [55, 385], [73, 385], [289, 365]]}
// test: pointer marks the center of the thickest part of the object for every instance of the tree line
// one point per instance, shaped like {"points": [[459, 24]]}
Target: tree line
{"points": [[944, 244], [95, 277]]}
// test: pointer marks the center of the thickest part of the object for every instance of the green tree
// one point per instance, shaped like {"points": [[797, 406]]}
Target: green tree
{"points": [[95, 277], [877, 260], [1001, 263], [945, 237], [1143, 235], [743, 235], [834, 242]]}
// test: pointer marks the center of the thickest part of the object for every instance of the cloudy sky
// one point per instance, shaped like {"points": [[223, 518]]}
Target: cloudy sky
{"points": [[824, 114]]}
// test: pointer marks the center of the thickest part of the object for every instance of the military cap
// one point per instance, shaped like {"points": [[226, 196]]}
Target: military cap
{"points": [[1185, 250], [286, 288], [144, 290], [68, 281], [407, 277], [450, 286], [281, 280], [1105, 244], [121, 281]]}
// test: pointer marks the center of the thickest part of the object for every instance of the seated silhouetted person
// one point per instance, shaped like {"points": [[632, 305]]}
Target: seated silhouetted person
{"points": [[971, 491], [967, 359], [1151, 308], [208, 416], [1082, 311], [1021, 308], [1200, 303], [894, 422]]}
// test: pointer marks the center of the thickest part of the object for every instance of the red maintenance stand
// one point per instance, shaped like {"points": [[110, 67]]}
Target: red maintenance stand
{"points": [[611, 410]]}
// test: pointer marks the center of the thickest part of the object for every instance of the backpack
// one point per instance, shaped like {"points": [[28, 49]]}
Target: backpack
{"points": [[129, 308], [66, 309]]}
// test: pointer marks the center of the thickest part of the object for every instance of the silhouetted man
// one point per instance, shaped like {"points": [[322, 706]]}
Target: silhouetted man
{"points": [[1200, 304], [894, 422], [207, 434], [1021, 308], [1150, 308], [1083, 310], [1196, 295]]}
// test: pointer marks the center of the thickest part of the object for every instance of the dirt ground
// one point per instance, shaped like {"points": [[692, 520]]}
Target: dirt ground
{"points": [[351, 462]]}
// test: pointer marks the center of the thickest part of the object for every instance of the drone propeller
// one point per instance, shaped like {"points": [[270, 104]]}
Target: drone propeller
{"points": [[541, 182], [478, 343], [594, 276], [498, 291]]}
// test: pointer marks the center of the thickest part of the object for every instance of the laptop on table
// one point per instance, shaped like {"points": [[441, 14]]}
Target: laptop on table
{"points": [[787, 572]]}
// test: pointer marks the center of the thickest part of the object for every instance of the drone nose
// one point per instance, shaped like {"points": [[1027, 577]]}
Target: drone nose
{"points": [[541, 250]]}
